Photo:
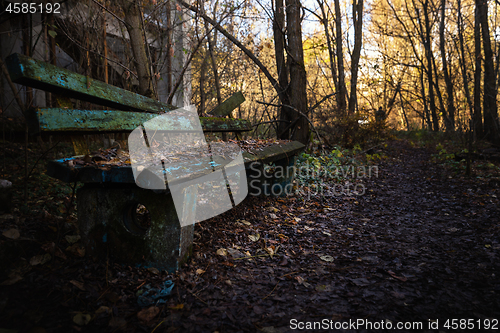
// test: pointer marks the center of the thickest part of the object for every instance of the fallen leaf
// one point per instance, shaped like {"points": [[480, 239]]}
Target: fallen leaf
{"points": [[200, 271], [400, 278], [254, 238], [327, 258], [76, 250], [302, 281], [72, 239], [103, 309], [323, 287], [273, 216], [270, 250], [327, 233], [272, 209], [235, 253], [12, 280], [176, 307], [222, 252], [40, 259], [146, 315], [245, 222], [53, 250], [82, 319], [11, 233], [78, 284], [153, 270]]}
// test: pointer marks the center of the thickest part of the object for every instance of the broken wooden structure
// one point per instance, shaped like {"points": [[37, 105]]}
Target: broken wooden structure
{"points": [[109, 204]]}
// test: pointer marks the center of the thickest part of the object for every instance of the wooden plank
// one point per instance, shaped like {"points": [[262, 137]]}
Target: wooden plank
{"points": [[123, 174], [92, 121], [273, 153], [226, 107], [42, 75]]}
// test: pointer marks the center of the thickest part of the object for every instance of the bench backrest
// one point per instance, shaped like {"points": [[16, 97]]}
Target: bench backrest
{"points": [[134, 109]]}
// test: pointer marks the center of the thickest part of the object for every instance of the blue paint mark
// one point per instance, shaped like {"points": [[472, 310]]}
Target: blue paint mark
{"points": [[62, 160], [105, 238]]}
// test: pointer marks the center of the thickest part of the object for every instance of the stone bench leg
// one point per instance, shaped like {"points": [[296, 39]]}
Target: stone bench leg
{"points": [[111, 227], [279, 183]]}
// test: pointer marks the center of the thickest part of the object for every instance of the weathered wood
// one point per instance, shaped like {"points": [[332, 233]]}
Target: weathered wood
{"points": [[226, 107], [92, 121], [273, 153], [41, 75], [123, 174]]}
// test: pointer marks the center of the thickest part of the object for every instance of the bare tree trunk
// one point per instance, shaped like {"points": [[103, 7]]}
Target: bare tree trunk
{"points": [[202, 85], [135, 30], [450, 114], [297, 70], [477, 118], [212, 59], [357, 16], [430, 78], [490, 92], [340, 61], [463, 64], [424, 98], [331, 54], [281, 67], [170, 50]]}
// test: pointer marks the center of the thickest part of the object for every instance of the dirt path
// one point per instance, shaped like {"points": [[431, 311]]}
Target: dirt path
{"points": [[417, 246]]}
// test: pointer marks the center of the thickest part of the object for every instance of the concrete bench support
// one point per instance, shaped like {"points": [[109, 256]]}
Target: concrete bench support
{"points": [[111, 226], [278, 183]]}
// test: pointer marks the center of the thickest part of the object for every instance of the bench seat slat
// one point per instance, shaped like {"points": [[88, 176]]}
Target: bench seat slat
{"points": [[123, 174], [41, 75], [94, 121]]}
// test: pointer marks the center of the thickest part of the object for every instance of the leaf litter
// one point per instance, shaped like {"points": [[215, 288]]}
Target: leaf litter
{"points": [[411, 249]]}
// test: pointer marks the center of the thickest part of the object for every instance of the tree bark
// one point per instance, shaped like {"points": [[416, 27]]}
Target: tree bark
{"points": [[285, 114], [340, 61], [357, 16], [135, 30], [331, 53], [463, 63], [427, 45], [477, 118], [490, 91], [450, 114], [297, 70]]}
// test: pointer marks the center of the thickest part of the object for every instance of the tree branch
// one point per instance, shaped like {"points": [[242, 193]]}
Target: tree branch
{"points": [[217, 26]]}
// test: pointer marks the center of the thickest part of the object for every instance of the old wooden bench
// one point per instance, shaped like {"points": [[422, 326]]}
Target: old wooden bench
{"points": [[107, 205]]}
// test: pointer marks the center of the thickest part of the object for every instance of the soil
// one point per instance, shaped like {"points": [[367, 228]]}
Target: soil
{"points": [[417, 247]]}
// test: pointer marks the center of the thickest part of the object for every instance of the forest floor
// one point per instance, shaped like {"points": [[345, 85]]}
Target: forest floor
{"points": [[421, 246]]}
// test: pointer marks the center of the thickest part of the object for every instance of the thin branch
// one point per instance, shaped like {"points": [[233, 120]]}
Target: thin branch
{"points": [[12, 86], [112, 14], [299, 112], [321, 101], [100, 55], [217, 26]]}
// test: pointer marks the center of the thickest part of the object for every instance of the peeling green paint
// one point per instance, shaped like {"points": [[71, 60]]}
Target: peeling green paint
{"points": [[226, 107], [42, 75], [71, 120]]}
